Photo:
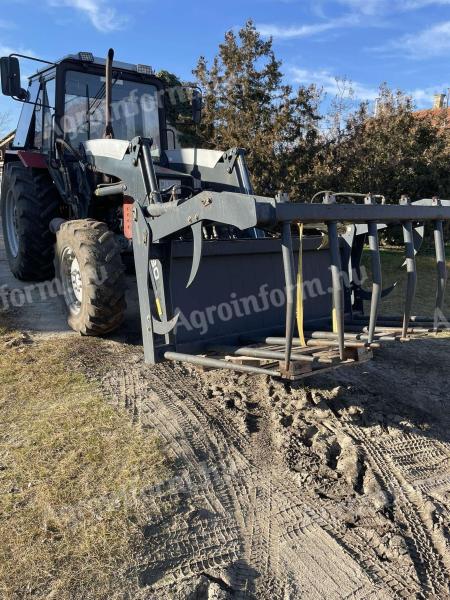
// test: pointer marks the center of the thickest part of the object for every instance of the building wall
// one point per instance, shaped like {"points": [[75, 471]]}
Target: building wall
{"points": [[5, 143]]}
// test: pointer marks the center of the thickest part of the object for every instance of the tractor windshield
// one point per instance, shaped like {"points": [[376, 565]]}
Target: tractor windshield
{"points": [[134, 109]]}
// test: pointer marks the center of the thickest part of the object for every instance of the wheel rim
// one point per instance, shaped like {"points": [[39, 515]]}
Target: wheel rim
{"points": [[71, 280], [12, 224]]}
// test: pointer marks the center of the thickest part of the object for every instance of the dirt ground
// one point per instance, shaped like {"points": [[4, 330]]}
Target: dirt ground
{"points": [[337, 490]]}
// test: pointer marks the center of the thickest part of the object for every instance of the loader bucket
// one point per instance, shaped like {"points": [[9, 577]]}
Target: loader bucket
{"points": [[287, 303]]}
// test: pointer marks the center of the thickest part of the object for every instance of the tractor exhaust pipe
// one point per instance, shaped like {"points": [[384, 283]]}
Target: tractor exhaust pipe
{"points": [[109, 133]]}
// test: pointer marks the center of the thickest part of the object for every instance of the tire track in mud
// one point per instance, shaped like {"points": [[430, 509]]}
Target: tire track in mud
{"points": [[314, 528], [424, 463], [261, 536], [406, 453], [427, 546], [204, 486]]}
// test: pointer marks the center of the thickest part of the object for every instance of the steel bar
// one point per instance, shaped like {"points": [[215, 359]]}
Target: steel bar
{"points": [[395, 319], [110, 190], [399, 330], [109, 132], [295, 212], [334, 343], [376, 277], [352, 340], [411, 281], [360, 336], [384, 324], [214, 363], [441, 267], [269, 354], [358, 328], [276, 341], [338, 288], [289, 275], [151, 174]]}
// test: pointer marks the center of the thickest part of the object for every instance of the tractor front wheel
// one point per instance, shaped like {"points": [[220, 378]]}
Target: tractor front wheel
{"points": [[89, 268]]}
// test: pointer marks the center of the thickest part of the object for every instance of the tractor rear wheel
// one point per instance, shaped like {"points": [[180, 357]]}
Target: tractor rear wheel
{"points": [[89, 268], [29, 201]]}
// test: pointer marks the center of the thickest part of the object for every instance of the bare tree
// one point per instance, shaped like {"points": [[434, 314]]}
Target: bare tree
{"points": [[5, 123]]}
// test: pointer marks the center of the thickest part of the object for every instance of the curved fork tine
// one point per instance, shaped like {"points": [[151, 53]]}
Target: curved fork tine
{"points": [[365, 295], [441, 272], [337, 284], [164, 327], [289, 274], [197, 232], [376, 277], [411, 274]]}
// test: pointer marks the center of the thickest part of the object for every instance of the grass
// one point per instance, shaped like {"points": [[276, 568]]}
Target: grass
{"points": [[391, 263], [71, 467]]}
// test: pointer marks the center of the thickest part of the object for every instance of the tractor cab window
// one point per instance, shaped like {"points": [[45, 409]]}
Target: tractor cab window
{"points": [[26, 116], [43, 116], [38, 116], [49, 113], [135, 109]]}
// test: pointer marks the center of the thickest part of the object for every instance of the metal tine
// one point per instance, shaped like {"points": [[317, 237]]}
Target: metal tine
{"points": [[289, 274], [375, 258], [441, 267], [411, 282], [338, 289]]}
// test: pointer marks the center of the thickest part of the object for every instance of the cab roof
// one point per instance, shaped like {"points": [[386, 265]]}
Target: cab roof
{"points": [[96, 61]]}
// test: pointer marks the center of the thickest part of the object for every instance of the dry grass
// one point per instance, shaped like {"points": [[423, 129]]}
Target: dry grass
{"points": [[391, 262], [71, 469]]}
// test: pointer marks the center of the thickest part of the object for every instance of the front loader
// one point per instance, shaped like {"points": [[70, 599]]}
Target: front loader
{"points": [[226, 278]]}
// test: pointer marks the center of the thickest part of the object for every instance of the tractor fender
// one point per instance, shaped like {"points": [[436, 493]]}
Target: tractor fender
{"points": [[35, 160]]}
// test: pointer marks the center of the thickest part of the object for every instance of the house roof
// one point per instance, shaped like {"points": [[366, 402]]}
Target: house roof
{"points": [[435, 113], [8, 138]]}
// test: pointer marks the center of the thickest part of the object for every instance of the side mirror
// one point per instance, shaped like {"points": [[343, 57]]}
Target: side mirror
{"points": [[10, 74], [197, 106]]}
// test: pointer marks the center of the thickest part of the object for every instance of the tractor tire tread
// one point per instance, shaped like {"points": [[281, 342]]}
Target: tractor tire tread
{"points": [[98, 254], [38, 202]]}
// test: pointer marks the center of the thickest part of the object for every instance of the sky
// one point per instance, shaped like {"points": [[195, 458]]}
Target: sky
{"points": [[403, 42]]}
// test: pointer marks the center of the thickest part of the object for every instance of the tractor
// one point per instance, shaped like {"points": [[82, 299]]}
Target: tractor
{"points": [[96, 181]]}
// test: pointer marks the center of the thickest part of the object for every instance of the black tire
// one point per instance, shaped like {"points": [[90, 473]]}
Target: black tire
{"points": [[29, 245], [100, 306]]}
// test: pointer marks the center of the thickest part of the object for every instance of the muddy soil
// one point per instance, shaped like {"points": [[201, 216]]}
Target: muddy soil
{"points": [[336, 490]]}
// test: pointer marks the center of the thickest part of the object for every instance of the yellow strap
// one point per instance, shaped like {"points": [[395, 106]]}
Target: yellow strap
{"points": [[300, 318], [158, 307], [335, 323]]}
